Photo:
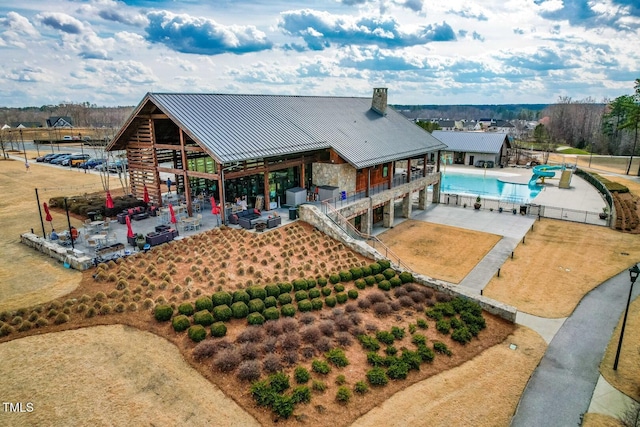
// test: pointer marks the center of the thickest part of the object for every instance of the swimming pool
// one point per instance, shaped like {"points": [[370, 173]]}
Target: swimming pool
{"points": [[488, 187]]}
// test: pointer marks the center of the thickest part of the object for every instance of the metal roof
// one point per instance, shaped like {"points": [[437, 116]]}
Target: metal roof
{"points": [[475, 142], [242, 127]]}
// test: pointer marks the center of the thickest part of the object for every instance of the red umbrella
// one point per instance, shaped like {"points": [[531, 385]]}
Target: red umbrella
{"points": [[215, 210], [48, 218], [173, 214], [109, 203], [145, 195], [129, 230]]}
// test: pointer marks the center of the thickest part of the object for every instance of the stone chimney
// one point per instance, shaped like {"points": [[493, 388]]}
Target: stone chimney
{"points": [[379, 101]]}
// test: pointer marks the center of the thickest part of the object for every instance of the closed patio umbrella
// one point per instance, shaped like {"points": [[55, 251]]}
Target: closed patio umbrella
{"points": [[48, 217], [109, 203], [130, 233], [172, 214], [145, 195]]}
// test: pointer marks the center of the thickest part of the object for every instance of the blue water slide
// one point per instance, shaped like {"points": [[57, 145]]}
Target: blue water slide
{"points": [[544, 171]]}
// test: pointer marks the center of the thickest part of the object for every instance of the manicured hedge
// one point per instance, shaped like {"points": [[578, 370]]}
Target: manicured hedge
{"points": [[284, 299], [256, 306], [330, 301], [272, 290], [197, 332], [180, 323], [222, 313], [317, 303], [322, 281], [314, 293], [285, 287], [341, 297], [353, 294], [356, 273], [345, 276], [270, 301], [241, 295], [406, 277], [299, 285], [385, 285], [256, 292], [218, 329], [162, 312], [300, 295], [271, 313], [204, 303], [288, 310], [255, 319], [239, 310], [203, 317], [389, 273], [186, 308], [305, 305], [221, 298], [360, 283]]}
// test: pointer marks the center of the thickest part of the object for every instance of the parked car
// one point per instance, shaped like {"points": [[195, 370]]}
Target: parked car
{"points": [[75, 159], [91, 163], [40, 159], [117, 166], [67, 138], [59, 159], [49, 157]]}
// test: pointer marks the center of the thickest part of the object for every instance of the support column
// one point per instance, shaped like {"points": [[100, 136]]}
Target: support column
{"points": [[424, 165], [422, 198], [267, 201], [406, 206], [221, 196], [387, 214], [408, 170], [365, 222], [435, 197]]}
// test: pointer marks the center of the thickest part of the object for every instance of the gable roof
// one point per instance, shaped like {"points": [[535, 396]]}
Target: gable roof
{"points": [[59, 121], [242, 127], [476, 142]]}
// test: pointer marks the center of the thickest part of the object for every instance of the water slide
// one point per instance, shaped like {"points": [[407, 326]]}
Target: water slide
{"points": [[542, 172]]}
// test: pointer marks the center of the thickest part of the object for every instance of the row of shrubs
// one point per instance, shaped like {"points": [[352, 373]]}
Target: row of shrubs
{"points": [[461, 317]]}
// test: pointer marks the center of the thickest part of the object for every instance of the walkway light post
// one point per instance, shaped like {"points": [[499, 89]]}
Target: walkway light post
{"points": [[633, 273], [24, 151]]}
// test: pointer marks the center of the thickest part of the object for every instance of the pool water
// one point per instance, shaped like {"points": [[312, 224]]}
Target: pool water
{"points": [[488, 186]]}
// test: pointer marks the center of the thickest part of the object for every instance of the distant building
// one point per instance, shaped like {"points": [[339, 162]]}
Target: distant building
{"points": [[59, 122], [468, 148], [25, 125]]}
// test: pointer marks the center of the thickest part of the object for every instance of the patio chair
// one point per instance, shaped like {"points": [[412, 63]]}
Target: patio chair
{"points": [[198, 222]]}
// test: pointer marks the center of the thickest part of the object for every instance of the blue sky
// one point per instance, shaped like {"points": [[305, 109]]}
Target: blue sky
{"points": [[109, 52]]}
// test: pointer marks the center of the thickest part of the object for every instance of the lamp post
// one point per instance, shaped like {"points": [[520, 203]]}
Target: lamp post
{"points": [[633, 274], [24, 151]]}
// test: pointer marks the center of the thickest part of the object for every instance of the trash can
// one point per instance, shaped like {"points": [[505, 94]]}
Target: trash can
{"points": [[523, 210], [293, 213], [92, 215]]}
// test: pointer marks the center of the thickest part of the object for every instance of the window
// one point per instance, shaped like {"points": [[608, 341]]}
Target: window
{"points": [[385, 171]]}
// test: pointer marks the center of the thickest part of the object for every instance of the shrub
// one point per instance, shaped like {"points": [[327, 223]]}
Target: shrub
{"points": [[385, 337], [197, 332], [395, 282], [422, 324], [425, 353], [443, 326], [271, 363], [337, 357], [227, 360], [271, 313], [361, 387], [299, 285], [222, 313], [203, 317], [61, 318], [256, 292], [398, 370], [288, 310], [284, 299], [406, 277], [375, 268], [262, 393], [300, 295], [462, 335], [272, 290], [320, 367], [285, 287], [369, 343], [377, 377], [384, 264], [341, 297], [218, 329], [381, 309], [397, 332], [256, 305], [255, 319], [360, 283], [314, 293], [249, 370], [305, 305], [180, 323], [326, 291], [322, 281], [441, 348], [338, 288], [370, 280], [456, 323], [330, 301], [317, 304], [279, 382], [334, 278], [434, 314], [412, 359], [345, 276], [204, 303], [301, 375], [391, 350], [270, 301], [318, 386], [221, 298], [241, 295], [343, 395], [356, 273], [162, 312], [283, 406], [385, 285], [419, 339], [301, 394], [186, 308]]}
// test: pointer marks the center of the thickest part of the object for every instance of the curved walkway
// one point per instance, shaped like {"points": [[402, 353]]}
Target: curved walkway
{"points": [[561, 388]]}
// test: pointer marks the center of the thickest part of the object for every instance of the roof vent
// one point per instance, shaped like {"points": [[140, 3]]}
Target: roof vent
{"points": [[379, 101]]}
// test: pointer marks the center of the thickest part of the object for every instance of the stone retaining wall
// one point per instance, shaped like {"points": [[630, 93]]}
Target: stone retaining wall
{"points": [[76, 259]]}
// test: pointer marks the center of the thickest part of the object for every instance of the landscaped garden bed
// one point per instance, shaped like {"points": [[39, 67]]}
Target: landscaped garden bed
{"points": [[255, 312]]}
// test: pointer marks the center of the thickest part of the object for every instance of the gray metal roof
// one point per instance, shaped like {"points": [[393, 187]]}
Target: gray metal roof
{"points": [[243, 127], [475, 142]]}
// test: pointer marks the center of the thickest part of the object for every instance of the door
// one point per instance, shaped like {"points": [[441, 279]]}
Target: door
{"points": [[471, 160]]}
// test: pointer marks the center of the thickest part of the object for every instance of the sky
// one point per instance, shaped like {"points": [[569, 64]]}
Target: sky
{"points": [[111, 53]]}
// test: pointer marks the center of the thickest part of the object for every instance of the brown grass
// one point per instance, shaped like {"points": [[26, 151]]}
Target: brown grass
{"points": [[439, 251], [558, 264]]}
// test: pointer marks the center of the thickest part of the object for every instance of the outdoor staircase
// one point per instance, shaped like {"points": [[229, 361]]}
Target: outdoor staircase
{"points": [[343, 224]]}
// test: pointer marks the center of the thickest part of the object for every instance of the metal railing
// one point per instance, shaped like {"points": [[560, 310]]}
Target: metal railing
{"points": [[343, 223]]}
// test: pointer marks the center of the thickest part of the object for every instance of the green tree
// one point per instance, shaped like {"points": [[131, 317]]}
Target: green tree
{"points": [[428, 126]]}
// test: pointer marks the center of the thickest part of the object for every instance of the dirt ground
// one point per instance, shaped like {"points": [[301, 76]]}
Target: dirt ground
{"points": [[34, 280], [438, 248]]}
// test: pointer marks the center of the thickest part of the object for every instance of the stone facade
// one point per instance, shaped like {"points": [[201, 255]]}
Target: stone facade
{"points": [[341, 175], [76, 259]]}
